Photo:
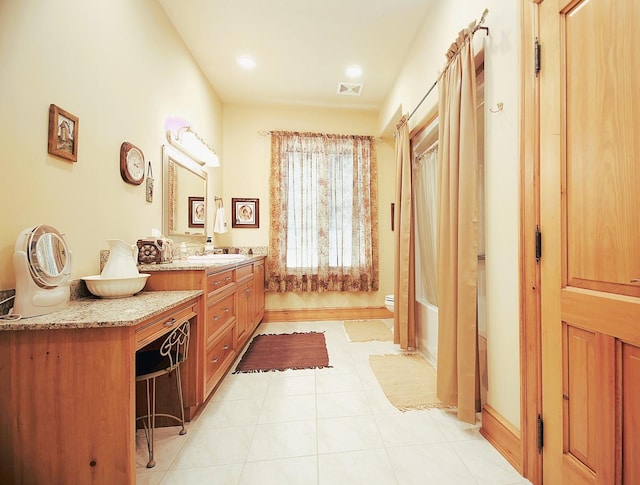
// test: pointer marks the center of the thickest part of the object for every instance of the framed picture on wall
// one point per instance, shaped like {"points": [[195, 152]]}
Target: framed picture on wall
{"points": [[197, 212], [63, 133], [246, 213]]}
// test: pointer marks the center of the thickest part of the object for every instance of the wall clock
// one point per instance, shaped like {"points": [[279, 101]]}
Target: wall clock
{"points": [[131, 164]]}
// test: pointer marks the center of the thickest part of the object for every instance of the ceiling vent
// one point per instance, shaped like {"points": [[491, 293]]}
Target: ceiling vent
{"points": [[350, 89]]}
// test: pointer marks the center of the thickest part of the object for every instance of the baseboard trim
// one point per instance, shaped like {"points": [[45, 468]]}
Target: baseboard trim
{"points": [[503, 436], [316, 314]]}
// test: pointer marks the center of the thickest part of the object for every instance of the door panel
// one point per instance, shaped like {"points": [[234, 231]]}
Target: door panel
{"points": [[590, 220], [601, 144], [631, 413], [581, 384]]}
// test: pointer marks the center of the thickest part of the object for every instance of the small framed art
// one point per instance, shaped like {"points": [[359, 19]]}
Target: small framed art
{"points": [[197, 212], [246, 213], [63, 133]]}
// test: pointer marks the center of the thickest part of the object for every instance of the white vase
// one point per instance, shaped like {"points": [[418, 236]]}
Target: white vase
{"points": [[122, 262]]}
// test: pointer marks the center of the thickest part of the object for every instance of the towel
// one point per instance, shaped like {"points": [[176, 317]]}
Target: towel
{"points": [[220, 226]]}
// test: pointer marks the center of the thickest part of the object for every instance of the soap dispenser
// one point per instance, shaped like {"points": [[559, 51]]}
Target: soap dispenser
{"points": [[183, 250], [208, 246]]}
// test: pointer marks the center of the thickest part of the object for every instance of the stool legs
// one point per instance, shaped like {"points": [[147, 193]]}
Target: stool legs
{"points": [[149, 421], [179, 384]]}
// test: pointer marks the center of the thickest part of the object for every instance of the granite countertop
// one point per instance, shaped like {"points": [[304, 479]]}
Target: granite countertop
{"points": [[186, 265], [107, 312]]}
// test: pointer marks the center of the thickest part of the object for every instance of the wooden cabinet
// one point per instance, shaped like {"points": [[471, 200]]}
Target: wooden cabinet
{"points": [[220, 328], [221, 311], [218, 282], [250, 302], [258, 288], [246, 312], [234, 308], [221, 352], [245, 301], [67, 391]]}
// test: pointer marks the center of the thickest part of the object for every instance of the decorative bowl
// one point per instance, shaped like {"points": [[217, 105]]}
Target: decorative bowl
{"points": [[115, 287]]}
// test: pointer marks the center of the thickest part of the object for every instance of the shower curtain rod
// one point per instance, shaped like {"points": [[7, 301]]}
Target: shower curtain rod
{"points": [[476, 28]]}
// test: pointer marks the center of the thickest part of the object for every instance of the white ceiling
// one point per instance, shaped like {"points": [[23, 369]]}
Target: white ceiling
{"points": [[302, 47]]}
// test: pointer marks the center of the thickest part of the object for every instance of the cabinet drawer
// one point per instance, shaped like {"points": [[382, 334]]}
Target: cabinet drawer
{"points": [[148, 331], [219, 313], [244, 272], [220, 354], [218, 281]]}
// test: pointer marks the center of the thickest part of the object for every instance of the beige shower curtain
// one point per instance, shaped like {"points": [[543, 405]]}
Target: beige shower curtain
{"points": [[404, 324], [458, 383]]}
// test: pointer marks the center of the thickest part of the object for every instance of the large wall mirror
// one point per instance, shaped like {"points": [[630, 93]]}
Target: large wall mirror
{"points": [[185, 195]]}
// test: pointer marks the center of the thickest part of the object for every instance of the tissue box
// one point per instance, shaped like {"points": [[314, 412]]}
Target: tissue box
{"points": [[157, 250]]}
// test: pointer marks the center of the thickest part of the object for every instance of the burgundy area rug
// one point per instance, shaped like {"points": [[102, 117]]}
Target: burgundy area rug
{"points": [[278, 352]]}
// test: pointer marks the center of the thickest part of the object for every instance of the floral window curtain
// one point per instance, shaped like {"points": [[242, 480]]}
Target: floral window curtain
{"points": [[324, 213]]}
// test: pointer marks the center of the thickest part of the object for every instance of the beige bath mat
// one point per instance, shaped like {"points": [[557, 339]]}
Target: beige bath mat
{"points": [[367, 330], [408, 380]]}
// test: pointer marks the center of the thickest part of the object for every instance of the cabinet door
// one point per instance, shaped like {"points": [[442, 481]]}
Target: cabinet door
{"points": [[258, 281], [245, 308], [219, 357], [251, 307]]}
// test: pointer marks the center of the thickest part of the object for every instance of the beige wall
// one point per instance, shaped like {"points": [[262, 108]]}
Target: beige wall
{"points": [[246, 161], [502, 164], [121, 68]]}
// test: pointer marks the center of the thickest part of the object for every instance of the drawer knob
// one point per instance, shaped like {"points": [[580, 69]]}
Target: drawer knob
{"points": [[217, 317], [227, 309], [215, 360], [226, 347], [168, 323], [217, 282], [227, 278]]}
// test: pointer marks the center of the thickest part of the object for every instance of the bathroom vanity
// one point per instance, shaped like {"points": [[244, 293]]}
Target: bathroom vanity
{"points": [[67, 378], [67, 386], [234, 306]]}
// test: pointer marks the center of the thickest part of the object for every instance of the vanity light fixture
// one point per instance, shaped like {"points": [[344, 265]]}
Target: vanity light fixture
{"points": [[187, 141]]}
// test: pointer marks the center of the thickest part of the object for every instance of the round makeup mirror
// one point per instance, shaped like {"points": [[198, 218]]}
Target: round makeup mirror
{"points": [[48, 257], [42, 261]]}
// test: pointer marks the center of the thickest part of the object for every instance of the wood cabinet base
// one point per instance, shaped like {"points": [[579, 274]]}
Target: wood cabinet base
{"points": [[66, 406], [67, 400]]}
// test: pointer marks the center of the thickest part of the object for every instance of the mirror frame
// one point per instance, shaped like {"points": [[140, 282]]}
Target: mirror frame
{"points": [[171, 155], [47, 250]]}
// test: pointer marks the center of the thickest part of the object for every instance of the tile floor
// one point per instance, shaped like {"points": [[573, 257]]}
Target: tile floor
{"points": [[329, 426]]}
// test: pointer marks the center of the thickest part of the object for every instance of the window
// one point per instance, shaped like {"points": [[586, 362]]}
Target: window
{"points": [[323, 213]]}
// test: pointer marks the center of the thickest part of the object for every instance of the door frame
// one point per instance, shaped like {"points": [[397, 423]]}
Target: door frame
{"points": [[530, 318]]}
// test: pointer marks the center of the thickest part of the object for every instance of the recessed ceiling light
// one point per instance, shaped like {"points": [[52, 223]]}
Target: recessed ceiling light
{"points": [[354, 71], [246, 62]]}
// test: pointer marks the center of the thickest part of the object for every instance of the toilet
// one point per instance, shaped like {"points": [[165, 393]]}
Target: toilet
{"points": [[388, 302]]}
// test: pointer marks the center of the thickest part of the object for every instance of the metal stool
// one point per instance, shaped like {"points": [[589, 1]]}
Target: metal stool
{"points": [[155, 363]]}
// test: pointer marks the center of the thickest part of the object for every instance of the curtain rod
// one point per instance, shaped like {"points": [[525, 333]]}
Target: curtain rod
{"points": [[475, 29], [376, 139]]}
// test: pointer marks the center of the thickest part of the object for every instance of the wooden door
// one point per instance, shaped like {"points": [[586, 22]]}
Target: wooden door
{"points": [[590, 221]]}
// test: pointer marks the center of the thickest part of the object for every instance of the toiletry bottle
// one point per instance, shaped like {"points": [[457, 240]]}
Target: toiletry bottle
{"points": [[208, 246], [183, 250]]}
